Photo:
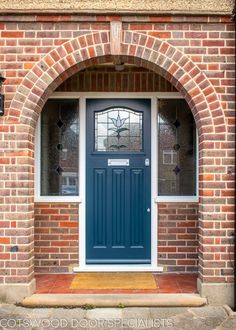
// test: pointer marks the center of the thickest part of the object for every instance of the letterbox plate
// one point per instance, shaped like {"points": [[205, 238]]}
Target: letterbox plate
{"points": [[118, 162]]}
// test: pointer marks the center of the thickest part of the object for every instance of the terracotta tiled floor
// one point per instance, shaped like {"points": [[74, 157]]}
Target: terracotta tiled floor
{"points": [[166, 283]]}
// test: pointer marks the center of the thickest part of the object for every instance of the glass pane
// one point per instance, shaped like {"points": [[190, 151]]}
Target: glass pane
{"points": [[176, 149], [59, 148], [118, 129]]}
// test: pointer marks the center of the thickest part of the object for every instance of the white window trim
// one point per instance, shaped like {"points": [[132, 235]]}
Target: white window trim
{"points": [[177, 199], [82, 96]]}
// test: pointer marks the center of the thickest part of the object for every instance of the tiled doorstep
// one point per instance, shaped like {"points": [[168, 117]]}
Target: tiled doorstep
{"points": [[166, 283]]}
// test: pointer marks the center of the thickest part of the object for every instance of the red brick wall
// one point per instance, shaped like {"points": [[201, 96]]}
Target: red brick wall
{"points": [[194, 53], [56, 237], [178, 236], [208, 42]]}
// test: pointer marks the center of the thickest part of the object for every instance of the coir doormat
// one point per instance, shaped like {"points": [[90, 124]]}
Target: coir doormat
{"points": [[122, 280]]}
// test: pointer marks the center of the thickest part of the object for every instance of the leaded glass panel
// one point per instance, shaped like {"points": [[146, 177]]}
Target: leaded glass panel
{"points": [[118, 129], [59, 148], [176, 149]]}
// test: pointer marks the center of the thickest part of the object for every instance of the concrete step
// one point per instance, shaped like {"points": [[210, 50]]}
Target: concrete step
{"points": [[114, 300]]}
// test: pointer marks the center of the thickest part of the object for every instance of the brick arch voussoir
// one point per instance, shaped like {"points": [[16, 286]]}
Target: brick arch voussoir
{"points": [[183, 73], [137, 48], [54, 68]]}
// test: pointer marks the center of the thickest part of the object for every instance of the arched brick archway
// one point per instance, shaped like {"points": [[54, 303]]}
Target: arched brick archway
{"points": [[138, 49], [141, 50]]}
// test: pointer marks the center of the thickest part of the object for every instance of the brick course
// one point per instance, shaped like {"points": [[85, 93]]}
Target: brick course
{"points": [[178, 236], [56, 237], [195, 54]]}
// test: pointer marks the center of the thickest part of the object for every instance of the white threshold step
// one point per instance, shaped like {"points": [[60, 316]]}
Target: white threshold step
{"points": [[115, 300]]}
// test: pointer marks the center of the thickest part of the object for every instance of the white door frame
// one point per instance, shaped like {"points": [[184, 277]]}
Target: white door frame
{"points": [[82, 96]]}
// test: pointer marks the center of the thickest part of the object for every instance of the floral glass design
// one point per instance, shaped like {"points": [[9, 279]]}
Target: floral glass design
{"points": [[118, 129]]}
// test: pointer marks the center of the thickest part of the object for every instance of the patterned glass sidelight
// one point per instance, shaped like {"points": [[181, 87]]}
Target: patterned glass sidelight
{"points": [[176, 149], [59, 148]]}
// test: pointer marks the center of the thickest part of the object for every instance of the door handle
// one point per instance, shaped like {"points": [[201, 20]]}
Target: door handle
{"points": [[148, 210], [147, 162]]}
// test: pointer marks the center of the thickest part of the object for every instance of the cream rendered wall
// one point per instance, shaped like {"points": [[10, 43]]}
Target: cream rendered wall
{"points": [[188, 6]]}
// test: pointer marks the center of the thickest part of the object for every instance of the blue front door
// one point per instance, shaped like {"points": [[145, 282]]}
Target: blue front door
{"points": [[118, 181]]}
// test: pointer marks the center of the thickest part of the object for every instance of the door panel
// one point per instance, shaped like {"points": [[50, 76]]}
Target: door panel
{"points": [[118, 187], [118, 208], [100, 207], [138, 209]]}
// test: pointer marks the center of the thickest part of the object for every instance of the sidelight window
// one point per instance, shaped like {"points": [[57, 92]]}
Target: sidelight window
{"points": [[176, 149], [59, 148]]}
